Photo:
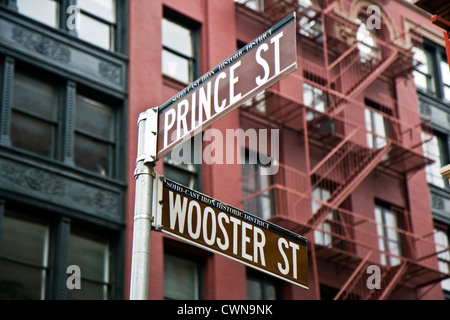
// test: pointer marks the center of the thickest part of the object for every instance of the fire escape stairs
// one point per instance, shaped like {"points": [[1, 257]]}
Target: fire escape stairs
{"points": [[357, 285], [357, 175], [373, 70]]}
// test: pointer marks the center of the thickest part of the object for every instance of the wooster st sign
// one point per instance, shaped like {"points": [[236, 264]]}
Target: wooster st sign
{"points": [[256, 66], [223, 229]]}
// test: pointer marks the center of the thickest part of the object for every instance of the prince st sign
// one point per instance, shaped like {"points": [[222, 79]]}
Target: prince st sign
{"points": [[259, 64]]}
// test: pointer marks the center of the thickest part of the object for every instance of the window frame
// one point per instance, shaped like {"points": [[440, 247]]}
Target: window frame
{"points": [[193, 61], [443, 257], [46, 265], [264, 281], [435, 53], [55, 123], [260, 210], [64, 142], [112, 26], [117, 39], [444, 157], [59, 232], [106, 282], [198, 274], [383, 228]]}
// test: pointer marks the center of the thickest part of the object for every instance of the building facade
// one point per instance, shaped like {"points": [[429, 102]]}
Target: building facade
{"points": [[361, 127], [62, 164], [357, 171]]}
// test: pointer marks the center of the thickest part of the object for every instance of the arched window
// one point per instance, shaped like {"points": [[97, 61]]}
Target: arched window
{"points": [[367, 44]]}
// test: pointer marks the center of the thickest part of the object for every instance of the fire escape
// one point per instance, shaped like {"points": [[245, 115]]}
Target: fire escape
{"points": [[343, 145]]}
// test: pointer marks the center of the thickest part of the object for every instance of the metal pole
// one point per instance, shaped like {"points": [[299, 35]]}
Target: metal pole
{"points": [[143, 215], [140, 262]]}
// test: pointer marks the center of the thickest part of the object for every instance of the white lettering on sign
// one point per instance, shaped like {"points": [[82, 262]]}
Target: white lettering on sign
{"points": [[186, 214], [286, 267], [226, 230]]}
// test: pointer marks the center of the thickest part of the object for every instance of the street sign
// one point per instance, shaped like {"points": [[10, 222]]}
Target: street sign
{"points": [[194, 217], [220, 228], [259, 64]]}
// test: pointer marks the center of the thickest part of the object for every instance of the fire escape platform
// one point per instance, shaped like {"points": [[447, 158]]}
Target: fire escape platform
{"points": [[403, 160]]}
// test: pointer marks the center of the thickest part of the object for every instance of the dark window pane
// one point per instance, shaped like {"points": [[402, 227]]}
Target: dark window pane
{"points": [[24, 240], [31, 134], [91, 255], [180, 278], [19, 282], [94, 118], [94, 135], [91, 154], [34, 96], [89, 291], [23, 258]]}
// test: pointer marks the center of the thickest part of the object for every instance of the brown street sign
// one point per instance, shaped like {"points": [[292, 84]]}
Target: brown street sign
{"points": [[220, 228], [256, 66]]}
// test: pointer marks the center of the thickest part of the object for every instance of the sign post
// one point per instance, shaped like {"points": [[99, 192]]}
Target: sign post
{"points": [[143, 205], [225, 230]]}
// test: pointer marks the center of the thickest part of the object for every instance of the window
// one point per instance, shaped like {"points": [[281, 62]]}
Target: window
{"points": [[432, 75], [94, 136], [45, 11], [34, 114], [179, 52], [255, 179], [325, 233], [98, 15], [378, 126], [90, 253], [97, 22], [261, 286], [322, 235], [441, 239], [24, 255], [389, 239], [310, 23], [423, 77], [445, 73], [367, 44], [434, 147], [36, 248], [314, 97], [48, 118], [181, 278], [317, 99], [257, 5]]}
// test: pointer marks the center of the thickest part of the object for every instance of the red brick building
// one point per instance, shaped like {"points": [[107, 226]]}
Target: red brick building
{"points": [[354, 121]]}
